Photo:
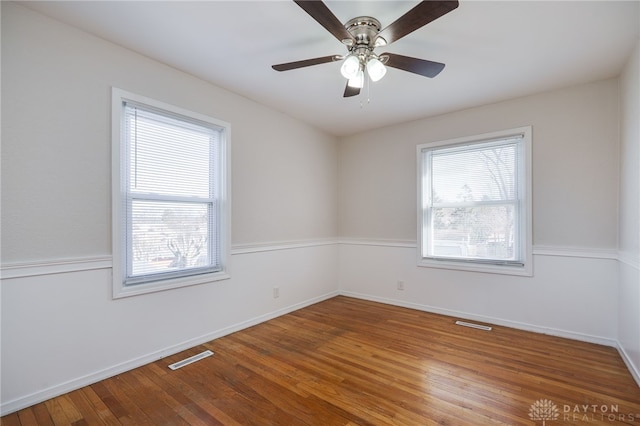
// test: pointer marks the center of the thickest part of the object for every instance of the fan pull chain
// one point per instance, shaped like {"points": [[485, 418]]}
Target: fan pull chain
{"points": [[368, 82]]}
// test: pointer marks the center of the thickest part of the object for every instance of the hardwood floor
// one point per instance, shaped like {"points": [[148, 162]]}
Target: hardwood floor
{"points": [[353, 362]]}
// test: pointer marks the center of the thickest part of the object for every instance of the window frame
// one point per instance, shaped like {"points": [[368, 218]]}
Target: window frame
{"points": [[121, 197], [524, 207]]}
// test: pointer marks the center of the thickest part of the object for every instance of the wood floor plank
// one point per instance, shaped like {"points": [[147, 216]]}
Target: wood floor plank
{"points": [[27, 417], [10, 420], [111, 391], [149, 399], [93, 403], [42, 415], [352, 362], [58, 415], [188, 389]]}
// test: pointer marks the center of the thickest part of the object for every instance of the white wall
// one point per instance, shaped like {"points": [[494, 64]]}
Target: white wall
{"points": [[573, 291], [629, 228], [60, 327]]}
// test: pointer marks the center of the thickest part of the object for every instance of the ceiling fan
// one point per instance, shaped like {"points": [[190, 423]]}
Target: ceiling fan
{"points": [[363, 34]]}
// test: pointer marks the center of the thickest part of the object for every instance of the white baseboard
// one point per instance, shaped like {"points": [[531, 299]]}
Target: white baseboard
{"points": [[482, 318], [627, 360], [71, 385]]}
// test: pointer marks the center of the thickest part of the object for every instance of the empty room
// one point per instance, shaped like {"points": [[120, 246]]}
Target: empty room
{"points": [[320, 212]]}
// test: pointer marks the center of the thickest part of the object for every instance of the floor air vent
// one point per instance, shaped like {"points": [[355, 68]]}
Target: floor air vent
{"points": [[472, 325], [190, 360]]}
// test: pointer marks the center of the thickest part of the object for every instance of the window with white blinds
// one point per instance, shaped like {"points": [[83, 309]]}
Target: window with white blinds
{"points": [[474, 207], [170, 200]]}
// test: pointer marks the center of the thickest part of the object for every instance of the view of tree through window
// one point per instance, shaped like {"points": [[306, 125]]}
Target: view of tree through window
{"points": [[473, 196], [471, 201], [171, 199], [168, 236], [171, 196]]}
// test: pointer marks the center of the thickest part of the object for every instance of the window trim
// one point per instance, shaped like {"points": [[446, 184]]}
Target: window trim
{"points": [[526, 228], [119, 191]]}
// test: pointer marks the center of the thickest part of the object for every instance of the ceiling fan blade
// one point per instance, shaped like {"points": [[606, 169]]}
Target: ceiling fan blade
{"points": [[351, 91], [305, 63], [321, 13], [417, 66], [419, 16]]}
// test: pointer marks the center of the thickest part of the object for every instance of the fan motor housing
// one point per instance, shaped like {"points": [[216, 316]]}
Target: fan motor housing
{"points": [[364, 30]]}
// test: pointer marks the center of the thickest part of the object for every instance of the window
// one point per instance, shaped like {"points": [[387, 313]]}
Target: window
{"points": [[170, 197], [474, 203]]}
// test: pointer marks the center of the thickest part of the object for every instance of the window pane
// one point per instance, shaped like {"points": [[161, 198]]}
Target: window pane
{"points": [[168, 156], [170, 196], [474, 202], [168, 236], [485, 174], [483, 232]]}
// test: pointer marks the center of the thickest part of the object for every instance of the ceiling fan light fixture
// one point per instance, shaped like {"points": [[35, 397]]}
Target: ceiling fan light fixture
{"points": [[375, 69], [361, 35], [357, 81], [350, 67]]}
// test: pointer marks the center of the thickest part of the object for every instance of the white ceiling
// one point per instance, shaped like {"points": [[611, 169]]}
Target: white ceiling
{"points": [[493, 51]]}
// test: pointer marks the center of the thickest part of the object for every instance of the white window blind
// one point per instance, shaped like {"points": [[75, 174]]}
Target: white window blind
{"points": [[473, 197], [170, 193]]}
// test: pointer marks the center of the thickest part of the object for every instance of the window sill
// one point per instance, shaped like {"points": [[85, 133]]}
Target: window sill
{"points": [[525, 270], [120, 290]]}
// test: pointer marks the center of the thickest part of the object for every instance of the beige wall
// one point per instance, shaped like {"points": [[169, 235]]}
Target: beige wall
{"points": [[629, 229], [630, 156], [56, 155], [575, 163]]}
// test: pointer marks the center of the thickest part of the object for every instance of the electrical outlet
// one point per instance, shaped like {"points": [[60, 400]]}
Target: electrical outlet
{"points": [[276, 292], [400, 285]]}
